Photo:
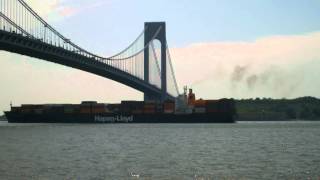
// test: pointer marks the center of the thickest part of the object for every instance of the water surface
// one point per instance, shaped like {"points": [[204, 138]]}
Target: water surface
{"points": [[246, 150]]}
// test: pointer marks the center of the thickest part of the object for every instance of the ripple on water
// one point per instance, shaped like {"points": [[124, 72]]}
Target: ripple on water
{"points": [[264, 150]]}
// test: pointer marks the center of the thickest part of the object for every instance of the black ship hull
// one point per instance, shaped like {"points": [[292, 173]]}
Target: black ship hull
{"points": [[14, 117]]}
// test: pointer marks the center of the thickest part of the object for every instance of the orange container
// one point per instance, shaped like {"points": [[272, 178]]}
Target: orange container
{"points": [[168, 105], [85, 110], [168, 108], [168, 111], [98, 110], [149, 111], [200, 103], [149, 108]]}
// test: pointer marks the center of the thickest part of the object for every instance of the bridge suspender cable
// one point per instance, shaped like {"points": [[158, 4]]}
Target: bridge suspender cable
{"points": [[15, 25]]}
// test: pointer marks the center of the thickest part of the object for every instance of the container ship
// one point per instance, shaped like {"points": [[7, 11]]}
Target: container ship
{"points": [[185, 109]]}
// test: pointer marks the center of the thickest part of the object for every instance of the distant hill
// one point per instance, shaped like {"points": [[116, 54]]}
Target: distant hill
{"points": [[267, 109]]}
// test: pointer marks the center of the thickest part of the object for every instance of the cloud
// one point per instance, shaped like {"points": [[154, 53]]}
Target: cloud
{"points": [[44, 7], [275, 66], [55, 10]]}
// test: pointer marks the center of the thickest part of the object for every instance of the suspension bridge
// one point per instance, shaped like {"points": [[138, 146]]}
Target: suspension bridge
{"points": [[144, 65]]}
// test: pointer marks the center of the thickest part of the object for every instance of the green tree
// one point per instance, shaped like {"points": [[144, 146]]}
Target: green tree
{"points": [[316, 112], [305, 113], [291, 113]]}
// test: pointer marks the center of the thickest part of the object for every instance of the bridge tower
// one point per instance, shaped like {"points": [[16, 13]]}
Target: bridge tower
{"points": [[156, 31]]}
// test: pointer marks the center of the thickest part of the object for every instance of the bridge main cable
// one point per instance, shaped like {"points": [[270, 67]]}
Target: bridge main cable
{"points": [[21, 19], [46, 25]]}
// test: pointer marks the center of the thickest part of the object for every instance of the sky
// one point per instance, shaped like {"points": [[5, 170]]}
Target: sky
{"points": [[239, 49]]}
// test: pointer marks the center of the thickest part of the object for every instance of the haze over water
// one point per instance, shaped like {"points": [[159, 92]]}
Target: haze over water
{"points": [[246, 150]]}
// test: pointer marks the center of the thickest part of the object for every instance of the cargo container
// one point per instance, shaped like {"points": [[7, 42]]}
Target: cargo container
{"points": [[114, 107], [23, 110], [130, 106], [16, 109], [159, 108], [85, 110], [38, 111], [132, 103], [69, 109], [149, 108], [149, 111], [88, 102], [200, 110], [185, 109], [200, 103], [98, 108], [137, 111], [168, 107], [31, 106]]}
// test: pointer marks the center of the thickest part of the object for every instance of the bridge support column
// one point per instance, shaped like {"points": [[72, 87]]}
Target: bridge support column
{"points": [[164, 70], [156, 30]]}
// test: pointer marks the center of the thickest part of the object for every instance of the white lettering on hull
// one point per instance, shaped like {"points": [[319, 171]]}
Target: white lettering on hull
{"points": [[113, 119]]}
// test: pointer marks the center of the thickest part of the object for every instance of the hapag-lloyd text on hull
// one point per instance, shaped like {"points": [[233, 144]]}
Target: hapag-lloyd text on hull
{"points": [[113, 119]]}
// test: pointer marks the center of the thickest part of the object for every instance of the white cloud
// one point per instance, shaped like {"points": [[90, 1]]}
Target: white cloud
{"points": [[44, 7], [55, 10], [276, 66]]}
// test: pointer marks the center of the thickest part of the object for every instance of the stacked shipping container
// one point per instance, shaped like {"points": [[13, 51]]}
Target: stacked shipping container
{"points": [[132, 107]]}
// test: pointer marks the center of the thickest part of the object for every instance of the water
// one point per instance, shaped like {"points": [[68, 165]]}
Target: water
{"points": [[247, 150]]}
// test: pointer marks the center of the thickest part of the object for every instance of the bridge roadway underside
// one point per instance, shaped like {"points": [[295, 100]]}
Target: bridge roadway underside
{"points": [[16, 43]]}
